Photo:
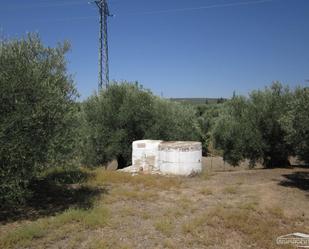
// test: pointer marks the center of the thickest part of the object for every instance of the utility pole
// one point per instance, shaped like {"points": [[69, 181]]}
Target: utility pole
{"points": [[103, 44]]}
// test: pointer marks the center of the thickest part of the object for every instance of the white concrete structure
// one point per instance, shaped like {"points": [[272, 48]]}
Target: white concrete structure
{"points": [[177, 158], [145, 155], [180, 158]]}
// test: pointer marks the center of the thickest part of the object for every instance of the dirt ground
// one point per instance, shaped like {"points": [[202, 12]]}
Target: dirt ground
{"points": [[222, 208]]}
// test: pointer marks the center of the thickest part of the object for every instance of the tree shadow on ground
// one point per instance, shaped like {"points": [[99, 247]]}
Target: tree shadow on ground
{"points": [[53, 194], [68, 176], [298, 180]]}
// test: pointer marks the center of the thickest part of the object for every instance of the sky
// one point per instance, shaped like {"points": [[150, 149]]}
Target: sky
{"points": [[176, 48]]}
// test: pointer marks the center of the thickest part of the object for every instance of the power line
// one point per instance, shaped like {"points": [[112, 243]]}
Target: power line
{"points": [[103, 35], [163, 11], [200, 7], [45, 4], [63, 1]]}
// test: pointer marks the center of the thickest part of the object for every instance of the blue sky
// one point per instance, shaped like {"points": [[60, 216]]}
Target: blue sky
{"points": [[178, 48]]}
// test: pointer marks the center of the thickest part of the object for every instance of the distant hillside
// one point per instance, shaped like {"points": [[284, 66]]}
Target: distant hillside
{"points": [[198, 101]]}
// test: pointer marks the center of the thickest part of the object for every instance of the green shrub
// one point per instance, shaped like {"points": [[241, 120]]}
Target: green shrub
{"points": [[295, 122], [36, 108], [172, 121], [207, 116], [250, 128], [126, 112]]}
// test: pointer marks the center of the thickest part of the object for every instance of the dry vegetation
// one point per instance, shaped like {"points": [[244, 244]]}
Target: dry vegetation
{"points": [[239, 209]]}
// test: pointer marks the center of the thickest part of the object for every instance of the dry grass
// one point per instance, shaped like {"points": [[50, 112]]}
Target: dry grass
{"points": [[144, 181], [87, 219], [206, 191], [230, 190], [110, 244], [255, 228], [247, 209], [164, 226], [276, 212], [251, 206], [127, 211], [184, 203], [207, 174], [134, 194], [56, 227], [169, 243], [145, 215], [174, 212], [261, 228]]}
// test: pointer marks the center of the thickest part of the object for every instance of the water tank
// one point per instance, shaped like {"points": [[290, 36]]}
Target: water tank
{"points": [[145, 156], [180, 158]]}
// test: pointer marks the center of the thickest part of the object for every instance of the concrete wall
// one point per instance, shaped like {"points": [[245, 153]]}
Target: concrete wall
{"points": [[177, 158], [145, 155]]}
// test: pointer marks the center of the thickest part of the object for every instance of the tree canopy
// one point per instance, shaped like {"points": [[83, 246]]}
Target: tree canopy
{"points": [[37, 99]]}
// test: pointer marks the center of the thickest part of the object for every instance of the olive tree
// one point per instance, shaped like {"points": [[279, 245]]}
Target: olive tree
{"points": [[37, 103], [126, 112], [173, 121], [295, 122], [207, 116], [251, 129], [112, 120]]}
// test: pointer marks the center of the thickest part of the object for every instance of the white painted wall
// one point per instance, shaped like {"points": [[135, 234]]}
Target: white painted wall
{"points": [[180, 163], [145, 155], [177, 158]]}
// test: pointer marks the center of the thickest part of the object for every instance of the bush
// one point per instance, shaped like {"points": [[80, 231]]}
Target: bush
{"points": [[37, 106], [295, 123], [207, 116], [172, 121], [250, 128], [112, 119], [126, 112]]}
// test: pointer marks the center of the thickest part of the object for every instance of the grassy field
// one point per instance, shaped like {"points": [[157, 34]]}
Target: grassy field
{"points": [[103, 209]]}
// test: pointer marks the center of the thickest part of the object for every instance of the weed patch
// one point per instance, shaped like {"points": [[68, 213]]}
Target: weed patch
{"points": [[230, 190], [145, 181], [206, 175], [206, 191], [131, 194], [276, 212], [92, 218], [109, 244], [164, 226]]}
